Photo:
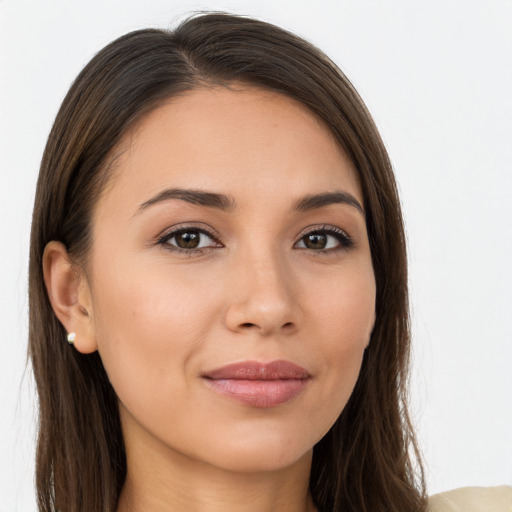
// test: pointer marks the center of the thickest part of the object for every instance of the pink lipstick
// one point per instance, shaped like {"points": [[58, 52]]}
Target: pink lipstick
{"points": [[259, 384]]}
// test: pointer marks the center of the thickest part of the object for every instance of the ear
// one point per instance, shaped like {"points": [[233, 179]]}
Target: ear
{"points": [[70, 296]]}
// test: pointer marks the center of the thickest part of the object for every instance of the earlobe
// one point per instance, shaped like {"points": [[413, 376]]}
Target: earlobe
{"points": [[69, 296]]}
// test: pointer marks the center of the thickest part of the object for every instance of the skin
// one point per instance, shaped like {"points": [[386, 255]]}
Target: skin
{"points": [[160, 319]]}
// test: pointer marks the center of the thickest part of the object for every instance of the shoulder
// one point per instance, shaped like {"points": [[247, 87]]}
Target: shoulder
{"points": [[473, 499]]}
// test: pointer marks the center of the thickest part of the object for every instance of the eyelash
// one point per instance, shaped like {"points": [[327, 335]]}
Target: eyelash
{"points": [[164, 239], [345, 241]]}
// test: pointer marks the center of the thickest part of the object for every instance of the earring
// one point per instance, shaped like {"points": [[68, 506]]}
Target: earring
{"points": [[71, 338]]}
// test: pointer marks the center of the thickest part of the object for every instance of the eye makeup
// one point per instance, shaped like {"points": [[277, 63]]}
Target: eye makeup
{"points": [[193, 240]]}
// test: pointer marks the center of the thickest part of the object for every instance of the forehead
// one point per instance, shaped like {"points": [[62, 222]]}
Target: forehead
{"points": [[236, 140]]}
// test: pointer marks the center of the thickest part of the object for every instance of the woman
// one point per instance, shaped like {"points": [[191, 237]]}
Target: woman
{"points": [[217, 233]]}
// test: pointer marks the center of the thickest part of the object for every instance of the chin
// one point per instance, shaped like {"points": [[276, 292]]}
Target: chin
{"points": [[262, 453], [262, 461]]}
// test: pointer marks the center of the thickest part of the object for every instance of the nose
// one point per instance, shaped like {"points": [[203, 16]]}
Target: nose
{"points": [[263, 298]]}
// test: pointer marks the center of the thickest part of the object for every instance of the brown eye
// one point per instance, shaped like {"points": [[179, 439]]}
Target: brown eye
{"points": [[315, 241], [187, 239], [329, 239]]}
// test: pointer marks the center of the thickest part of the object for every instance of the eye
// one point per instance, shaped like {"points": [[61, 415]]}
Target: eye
{"points": [[325, 240], [189, 240]]}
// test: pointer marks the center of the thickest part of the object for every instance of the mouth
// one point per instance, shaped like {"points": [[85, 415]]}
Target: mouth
{"points": [[260, 385]]}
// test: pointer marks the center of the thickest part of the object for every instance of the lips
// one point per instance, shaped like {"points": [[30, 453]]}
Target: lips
{"points": [[259, 384]]}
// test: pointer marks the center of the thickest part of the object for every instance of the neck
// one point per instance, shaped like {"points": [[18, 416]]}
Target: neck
{"points": [[165, 480]]}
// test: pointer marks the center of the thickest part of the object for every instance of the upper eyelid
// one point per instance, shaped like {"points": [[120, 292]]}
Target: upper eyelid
{"points": [[167, 235], [213, 233], [332, 230], [327, 228]]}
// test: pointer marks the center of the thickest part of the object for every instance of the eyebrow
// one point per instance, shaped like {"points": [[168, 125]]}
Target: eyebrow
{"points": [[313, 201], [227, 203], [210, 199]]}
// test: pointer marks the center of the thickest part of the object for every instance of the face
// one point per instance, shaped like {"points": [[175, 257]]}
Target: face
{"points": [[230, 279]]}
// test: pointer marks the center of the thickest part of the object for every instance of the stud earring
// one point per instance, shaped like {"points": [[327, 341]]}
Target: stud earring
{"points": [[71, 338]]}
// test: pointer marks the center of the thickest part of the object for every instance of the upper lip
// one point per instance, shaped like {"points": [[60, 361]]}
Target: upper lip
{"points": [[254, 370]]}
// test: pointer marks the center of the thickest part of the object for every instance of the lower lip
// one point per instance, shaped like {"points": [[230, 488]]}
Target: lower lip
{"points": [[259, 393]]}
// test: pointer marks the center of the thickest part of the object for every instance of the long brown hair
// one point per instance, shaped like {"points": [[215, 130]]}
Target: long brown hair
{"points": [[368, 461]]}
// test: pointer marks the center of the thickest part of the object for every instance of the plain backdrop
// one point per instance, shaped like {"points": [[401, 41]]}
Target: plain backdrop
{"points": [[437, 77]]}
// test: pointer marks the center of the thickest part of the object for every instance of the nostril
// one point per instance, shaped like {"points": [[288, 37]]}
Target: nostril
{"points": [[287, 325]]}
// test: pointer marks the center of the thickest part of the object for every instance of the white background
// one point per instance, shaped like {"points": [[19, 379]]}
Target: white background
{"points": [[437, 77]]}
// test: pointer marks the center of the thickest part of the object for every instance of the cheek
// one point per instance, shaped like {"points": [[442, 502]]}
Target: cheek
{"points": [[344, 316], [151, 304], [345, 308], [148, 326]]}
